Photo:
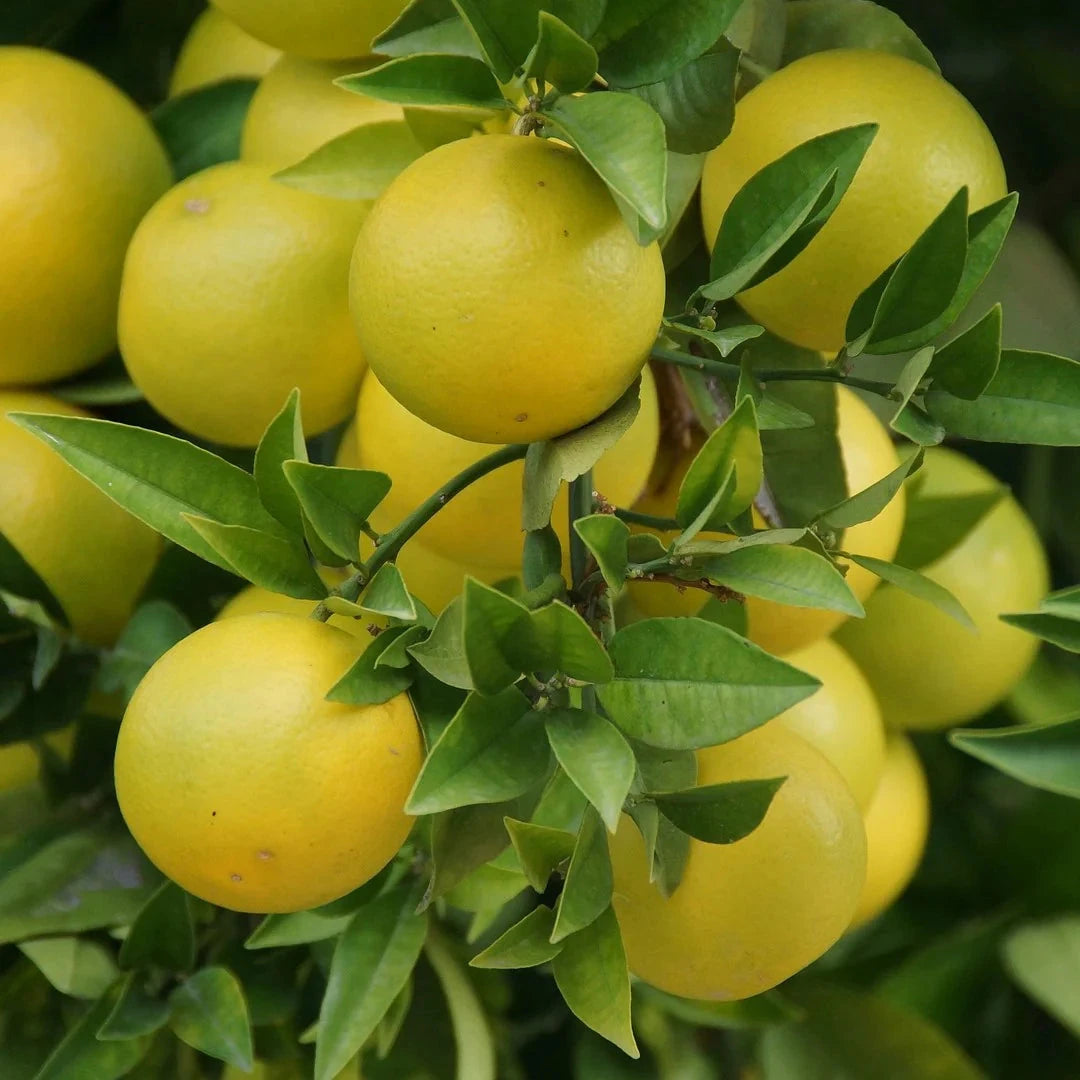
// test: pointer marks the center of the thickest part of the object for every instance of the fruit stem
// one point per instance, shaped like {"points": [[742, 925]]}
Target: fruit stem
{"points": [[581, 505], [650, 521]]}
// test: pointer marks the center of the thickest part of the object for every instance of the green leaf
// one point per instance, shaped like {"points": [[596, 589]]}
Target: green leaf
{"points": [[76, 967], [163, 934], [542, 557], [915, 583], [337, 501], [719, 813], [934, 525], [561, 56], [493, 749], [1045, 756], [550, 464], [868, 503], [372, 962], [386, 595], [134, 1014], [761, 1011], [426, 26], [725, 340], [586, 893], [210, 1014], [463, 840], [1033, 398], [595, 756], [203, 127], [667, 38], [607, 539], [17, 576], [282, 441], [684, 683], [429, 79], [357, 165], [733, 448], [1042, 958], [494, 628], [155, 628], [1062, 630], [504, 32], [437, 127], [396, 654], [816, 25], [851, 1034], [967, 365], [773, 413], [157, 477], [367, 684], [622, 138], [781, 208], [296, 928], [526, 944], [696, 102], [263, 558], [592, 977], [105, 384], [540, 849], [907, 385], [443, 654], [562, 641]]}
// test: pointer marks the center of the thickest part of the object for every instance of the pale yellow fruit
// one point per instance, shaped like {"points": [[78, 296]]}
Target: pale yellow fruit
{"points": [[235, 291], [897, 822], [750, 914], [868, 455], [930, 143], [498, 293], [324, 29], [927, 669], [245, 785], [297, 108], [482, 525], [20, 762], [254, 599], [94, 556], [216, 49], [842, 720], [81, 167]]}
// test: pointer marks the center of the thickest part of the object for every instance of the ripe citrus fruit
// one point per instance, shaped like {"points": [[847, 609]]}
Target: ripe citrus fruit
{"points": [[94, 556], [215, 49], [326, 29], [897, 822], [482, 525], [297, 108], [81, 167], [20, 762], [868, 455], [234, 292], [254, 599], [510, 308], [842, 720], [929, 144], [928, 670], [245, 785], [750, 914]]}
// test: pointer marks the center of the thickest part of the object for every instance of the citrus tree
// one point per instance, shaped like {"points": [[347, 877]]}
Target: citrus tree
{"points": [[556, 395]]}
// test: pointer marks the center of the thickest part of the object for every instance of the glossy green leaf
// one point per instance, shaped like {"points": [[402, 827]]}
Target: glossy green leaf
{"points": [[1042, 958], [135, 1013], [432, 26], [595, 756], [157, 477], [1045, 756], [562, 641], [622, 138], [357, 165], [367, 684], [17, 576], [561, 56], [1033, 398], [209, 1013], [592, 977], [868, 503], [684, 683], [282, 441], [265, 559], [908, 382], [526, 944], [541, 556], [74, 966], [155, 628], [493, 749], [773, 413], [396, 654], [296, 928], [163, 934], [912, 422], [781, 208], [386, 594], [966, 366], [934, 525], [607, 539], [203, 127], [389, 1027], [917, 584], [429, 79], [586, 893], [1060, 630], [463, 840], [495, 637], [540, 850], [443, 654], [372, 962], [504, 33], [725, 339], [719, 813]]}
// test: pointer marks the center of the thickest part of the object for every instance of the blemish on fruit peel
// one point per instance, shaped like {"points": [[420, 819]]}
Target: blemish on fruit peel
{"points": [[264, 855], [235, 877], [197, 206]]}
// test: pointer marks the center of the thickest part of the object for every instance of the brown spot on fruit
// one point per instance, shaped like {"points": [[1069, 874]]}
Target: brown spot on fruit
{"points": [[521, 417], [235, 878], [197, 206], [264, 855]]}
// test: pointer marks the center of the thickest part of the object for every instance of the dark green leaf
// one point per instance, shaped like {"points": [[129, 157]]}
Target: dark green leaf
{"points": [[1041, 957], [372, 962], [773, 413], [719, 813], [684, 683], [586, 893], [463, 840], [496, 631], [493, 749], [1062, 631], [386, 595], [429, 79], [561, 56], [74, 966], [135, 1013], [282, 441], [203, 127], [1045, 756], [162, 934], [365, 683], [426, 26], [209, 1013], [868, 503], [526, 944], [915, 583], [396, 654], [592, 977], [357, 165], [562, 641], [443, 654], [540, 850], [155, 628], [542, 556], [17, 576], [622, 138], [504, 32], [934, 525], [967, 365]]}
